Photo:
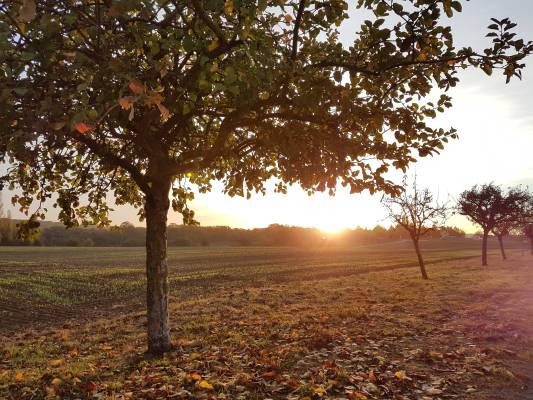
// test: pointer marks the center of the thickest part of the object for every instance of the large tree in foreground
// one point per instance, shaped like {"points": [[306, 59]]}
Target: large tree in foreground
{"points": [[145, 99], [495, 210], [416, 211]]}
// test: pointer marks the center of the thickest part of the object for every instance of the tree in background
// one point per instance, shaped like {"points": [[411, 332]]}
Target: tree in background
{"points": [[494, 210], [8, 229], [528, 232], [418, 213], [147, 98]]}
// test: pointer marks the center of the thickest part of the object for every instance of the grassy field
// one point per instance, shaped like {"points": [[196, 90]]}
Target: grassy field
{"points": [[279, 323]]}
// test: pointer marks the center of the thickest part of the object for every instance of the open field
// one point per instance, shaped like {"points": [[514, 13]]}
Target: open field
{"points": [[279, 323]]}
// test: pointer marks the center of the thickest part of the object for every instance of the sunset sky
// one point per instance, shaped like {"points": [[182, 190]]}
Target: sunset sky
{"points": [[495, 124]]}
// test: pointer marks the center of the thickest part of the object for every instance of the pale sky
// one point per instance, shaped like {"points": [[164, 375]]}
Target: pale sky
{"points": [[495, 124]]}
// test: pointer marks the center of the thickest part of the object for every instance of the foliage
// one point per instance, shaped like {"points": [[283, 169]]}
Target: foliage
{"points": [[492, 208], [96, 95]]}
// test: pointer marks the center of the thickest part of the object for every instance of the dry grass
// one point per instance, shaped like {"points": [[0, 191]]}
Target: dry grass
{"points": [[465, 334]]}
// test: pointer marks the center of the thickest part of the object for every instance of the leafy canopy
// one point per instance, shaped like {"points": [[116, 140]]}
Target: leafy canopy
{"points": [[97, 94], [494, 209]]}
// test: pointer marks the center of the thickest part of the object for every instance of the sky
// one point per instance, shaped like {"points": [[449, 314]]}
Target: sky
{"points": [[495, 125]]}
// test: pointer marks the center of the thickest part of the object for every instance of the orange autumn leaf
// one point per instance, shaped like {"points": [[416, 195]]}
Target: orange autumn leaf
{"points": [[82, 127], [19, 376], [372, 376], [126, 102], [422, 57], [137, 87], [288, 18], [195, 376]]}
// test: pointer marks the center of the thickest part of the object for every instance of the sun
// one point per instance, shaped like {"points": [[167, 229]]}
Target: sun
{"points": [[332, 227]]}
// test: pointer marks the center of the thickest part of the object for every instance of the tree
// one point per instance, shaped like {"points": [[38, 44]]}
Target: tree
{"points": [[494, 210], [528, 232], [143, 98], [418, 213]]}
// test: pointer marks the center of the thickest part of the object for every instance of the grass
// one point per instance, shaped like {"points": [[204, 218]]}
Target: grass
{"points": [[256, 323]]}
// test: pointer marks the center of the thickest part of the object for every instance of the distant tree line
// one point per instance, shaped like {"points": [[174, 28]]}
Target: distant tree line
{"points": [[128, 235]]}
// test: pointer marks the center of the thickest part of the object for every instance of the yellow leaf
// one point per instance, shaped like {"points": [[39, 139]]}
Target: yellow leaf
{"points": [[400, 374], [213, 45], [106, 347], [319, 390], [56, 363], [205, 385], [195, 376], [19, 376], [56, 381]]}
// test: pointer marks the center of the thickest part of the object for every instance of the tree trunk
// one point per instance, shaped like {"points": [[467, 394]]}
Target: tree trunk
{"points": [[420, 259], [502, 249], [484, 248], [156, 209], [531, 244]]}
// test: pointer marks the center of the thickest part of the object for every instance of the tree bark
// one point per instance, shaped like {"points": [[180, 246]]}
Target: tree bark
{"points": [[531, 244], [502, 249], [484, 248], [156, 210], [420, 259]]}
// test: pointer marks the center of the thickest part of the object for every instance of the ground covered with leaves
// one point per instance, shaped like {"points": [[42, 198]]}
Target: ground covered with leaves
{"points": [[465, 334]]}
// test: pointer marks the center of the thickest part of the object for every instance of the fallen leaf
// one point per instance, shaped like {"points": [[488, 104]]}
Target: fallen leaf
{"points": [[19, 376], [56, 381], [205, 385], [195, 376], [56, 363], [319, 390], [400, 375]]}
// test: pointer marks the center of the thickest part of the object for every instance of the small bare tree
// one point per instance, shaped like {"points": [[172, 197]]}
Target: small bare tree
{"points": [[418, 213]]}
